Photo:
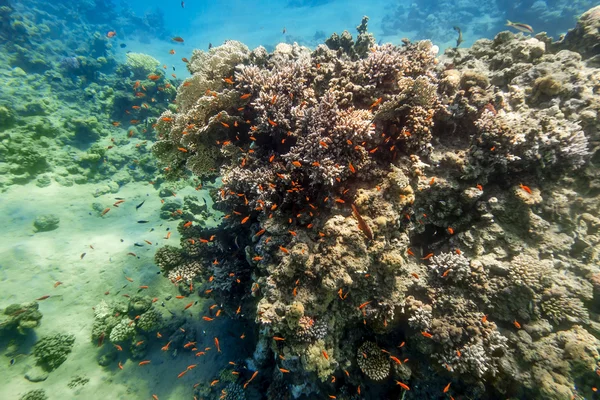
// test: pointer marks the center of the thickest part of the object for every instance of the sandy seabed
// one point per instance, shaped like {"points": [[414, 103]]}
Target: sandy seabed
{"points": [[31, 263]]}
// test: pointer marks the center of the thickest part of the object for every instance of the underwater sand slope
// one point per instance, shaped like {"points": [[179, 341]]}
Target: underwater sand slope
{"points": [[33, 262]]}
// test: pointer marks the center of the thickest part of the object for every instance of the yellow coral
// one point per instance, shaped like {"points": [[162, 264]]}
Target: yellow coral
{"points": [[320, 360]]}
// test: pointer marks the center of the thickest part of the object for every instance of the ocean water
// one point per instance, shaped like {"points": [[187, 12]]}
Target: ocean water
{"points": [[221, 200]]}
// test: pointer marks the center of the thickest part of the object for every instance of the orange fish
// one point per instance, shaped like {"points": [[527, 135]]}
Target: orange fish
{"points": [[189, 305], [245, 220], [187, 224], [285, 371], [376, 103], [207, 318], [111, 34], [296, 163], [217, 344], [396, 360], [145, 362], [213, 383], [325, 354], [450, 231], [185, 60], [171, 51], [402, 385], [154, 77], [427, 335], [286, 251], [525, 188], [516, 324], [245, 96], [177, 39], [447, 388], [105, 211], [363, 305]]}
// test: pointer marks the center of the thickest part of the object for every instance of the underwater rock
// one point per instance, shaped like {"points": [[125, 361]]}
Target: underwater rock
{"points": [[51, 351], [585, 37], [43, 181], [36, 374], [45, 223], [107, 359]]}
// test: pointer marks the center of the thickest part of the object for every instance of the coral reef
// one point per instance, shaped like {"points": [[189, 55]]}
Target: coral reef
{"points": [[51, 351], [141, 65], [372, 361], [36, 394], [20, 317], [382, 204]]}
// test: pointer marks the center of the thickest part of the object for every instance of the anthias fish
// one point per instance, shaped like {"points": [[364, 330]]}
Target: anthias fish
{"points": [[519, 26]]}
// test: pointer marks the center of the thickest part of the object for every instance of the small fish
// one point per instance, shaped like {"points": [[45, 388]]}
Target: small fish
{"points": [[139, 205], [516, 324], [284, 30], [362, 225], [111, 34], [402, 385], [82, 255], [183, 4], [519, 26], [43, 298], [459, 40], [145, 362], [122, 45], [171, 51], [447, 388], [525, 188], [177, 39], [143, 221]]}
